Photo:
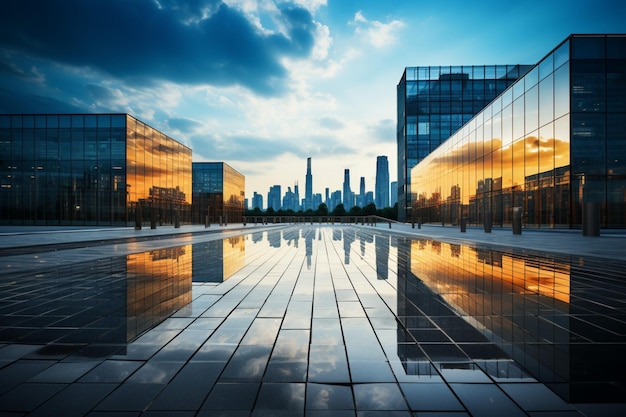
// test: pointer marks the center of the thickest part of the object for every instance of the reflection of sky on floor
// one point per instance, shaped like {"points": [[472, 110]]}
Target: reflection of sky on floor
{"points": [[315, 319]]}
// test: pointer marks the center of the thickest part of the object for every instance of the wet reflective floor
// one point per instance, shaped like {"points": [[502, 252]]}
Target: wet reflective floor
{"points": [[316, 321]]}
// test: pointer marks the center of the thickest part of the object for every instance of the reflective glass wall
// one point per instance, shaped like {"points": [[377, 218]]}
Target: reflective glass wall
{"points": [[434, 102], [218, 191], [543, 145], [88, 169]]}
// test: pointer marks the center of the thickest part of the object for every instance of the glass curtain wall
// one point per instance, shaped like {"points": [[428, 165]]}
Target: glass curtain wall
{"points": [[434, 102], [218, 191], [159, 176], [551, 142], [87, 169]]}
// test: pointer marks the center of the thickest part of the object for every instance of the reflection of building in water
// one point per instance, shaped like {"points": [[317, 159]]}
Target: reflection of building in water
{"points": [[257, 237], [349, 236], [308, 241], [382, 256], [158, 284], [274, 238], [218, 260], [529, 305]]}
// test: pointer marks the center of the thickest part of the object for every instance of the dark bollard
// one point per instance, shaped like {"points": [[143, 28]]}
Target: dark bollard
{"points": [[463, 224], [138, 219], [488, 222], [517, 220], [390, 225], [176, 221], [419, 223], [206, 221], [591, 219]]}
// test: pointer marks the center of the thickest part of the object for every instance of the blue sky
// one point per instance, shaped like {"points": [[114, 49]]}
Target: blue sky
{"points": [[262, 85]]}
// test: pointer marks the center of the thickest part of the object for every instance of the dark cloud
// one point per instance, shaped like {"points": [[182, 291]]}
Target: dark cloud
{"points": [[17, 102], [187, 42], [183, 124]]}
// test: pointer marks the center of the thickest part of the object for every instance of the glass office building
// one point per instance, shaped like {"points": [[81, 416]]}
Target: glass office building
{"points": [[550, 145], [218, 192], [433, 103], [90, 169]]}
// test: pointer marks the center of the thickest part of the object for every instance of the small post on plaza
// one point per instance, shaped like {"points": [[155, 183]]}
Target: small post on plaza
{"points": [[177, 219], [488, 222], [592, 216], [463, 224], [138, 216], [152, 216], [517, 220]]}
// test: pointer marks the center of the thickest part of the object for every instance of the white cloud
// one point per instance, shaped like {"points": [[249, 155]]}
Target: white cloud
{"points": [[376, 33]]}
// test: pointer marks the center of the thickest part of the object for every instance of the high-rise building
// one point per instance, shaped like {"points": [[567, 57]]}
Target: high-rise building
{"points": [[393, 197], [257, 201], [360, 200], [290, 200], [91, 169], [550, 149], [335, 200], [327, 198], [382, 182], [218, 191], [308, 192], [348, 200], [274, 197], [433, 103], [296, 196]]}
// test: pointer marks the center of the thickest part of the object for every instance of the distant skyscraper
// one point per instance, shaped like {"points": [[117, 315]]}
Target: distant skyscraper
{"points": [[273, 198], [308, 192], [382, 182], [394, 194], [327, 199], [360, 201], [335, 200], [297, 197], [257, 201], [347, 192]]}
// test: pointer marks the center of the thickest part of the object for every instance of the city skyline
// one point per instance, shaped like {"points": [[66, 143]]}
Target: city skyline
{"points": [[264, 85]]}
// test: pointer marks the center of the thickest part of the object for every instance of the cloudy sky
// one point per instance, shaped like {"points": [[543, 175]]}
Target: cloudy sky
{"points": [[262, 85]]}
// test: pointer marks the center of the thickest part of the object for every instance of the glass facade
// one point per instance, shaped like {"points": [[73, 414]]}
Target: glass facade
{"points": [[218, 191], [549, 144], [433, 103], [90, 169]]}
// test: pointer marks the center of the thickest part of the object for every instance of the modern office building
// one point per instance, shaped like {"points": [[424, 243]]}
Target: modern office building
{"points": [[393, 199], [433, 103], [88, 169], [218, 192], [551, 148], [308, 188], [382, 182], [274, 198], [257, 201], [348, 197]]}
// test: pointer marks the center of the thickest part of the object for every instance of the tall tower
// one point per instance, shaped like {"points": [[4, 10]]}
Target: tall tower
{"points": [[308, 192], [361, 198], [382, 182], [347, 192]]}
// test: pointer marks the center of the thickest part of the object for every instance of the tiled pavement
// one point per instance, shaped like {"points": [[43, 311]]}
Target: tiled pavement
{"points": [[309, 320]]}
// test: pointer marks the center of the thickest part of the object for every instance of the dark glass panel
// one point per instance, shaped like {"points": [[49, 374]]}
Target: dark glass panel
{"points": [[78, 120], [587, 48], [52, 121], [104, 121], [616, 145], [588, 153], [5, 122], [616, 85], [588, 86], [65, 121], [616, 47]]}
